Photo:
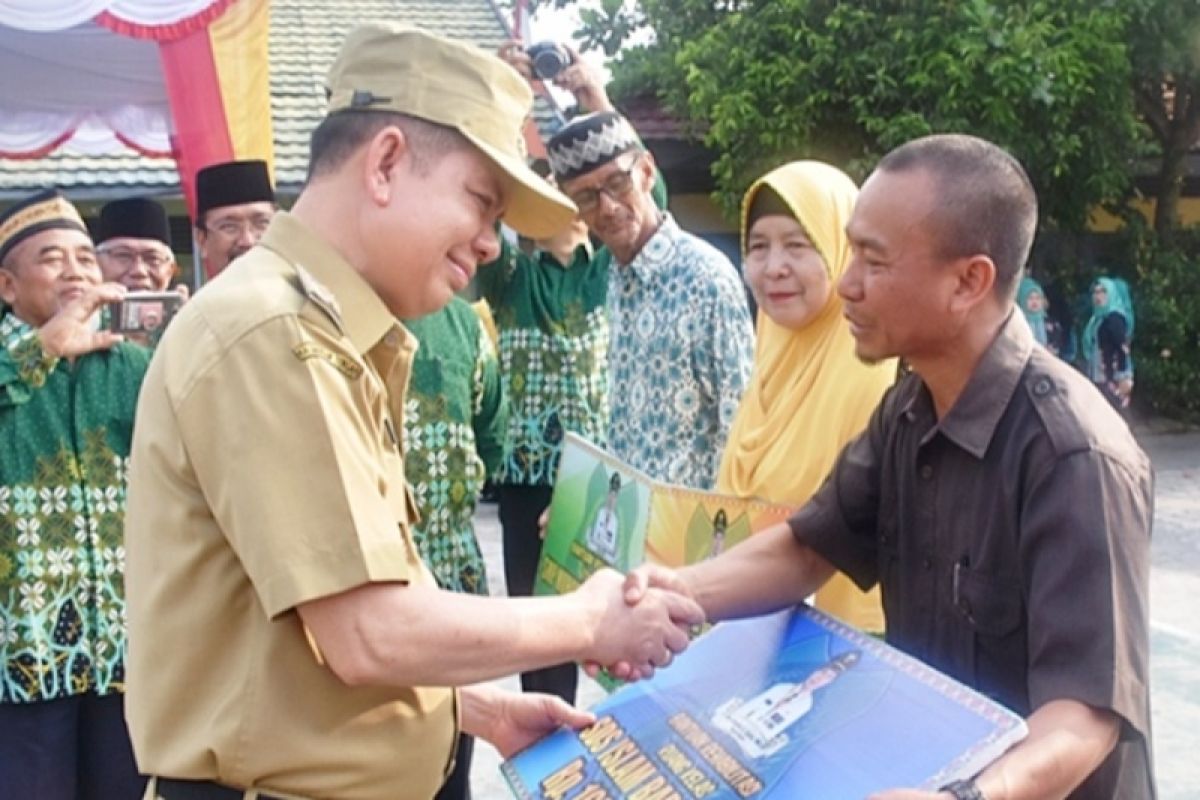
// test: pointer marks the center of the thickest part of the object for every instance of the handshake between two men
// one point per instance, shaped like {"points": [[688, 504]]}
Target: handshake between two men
{"points": [[415, 634], [643, 627]]}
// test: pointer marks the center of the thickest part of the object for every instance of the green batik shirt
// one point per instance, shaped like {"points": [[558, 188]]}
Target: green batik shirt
{"points": [[65, 432], [454, 418], [553, 330]]}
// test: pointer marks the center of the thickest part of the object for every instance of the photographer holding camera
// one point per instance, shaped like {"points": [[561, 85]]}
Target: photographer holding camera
{"points": [[560, 64], [552, 325], [551, 312]]}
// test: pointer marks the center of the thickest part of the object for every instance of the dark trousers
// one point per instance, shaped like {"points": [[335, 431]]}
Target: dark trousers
{"points": [[76, 748], [520, 507], [458, 785]]}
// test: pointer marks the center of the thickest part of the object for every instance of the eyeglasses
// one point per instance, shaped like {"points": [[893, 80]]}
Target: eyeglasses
{"points": [[232, 228], [126, 257], [616, 186]]}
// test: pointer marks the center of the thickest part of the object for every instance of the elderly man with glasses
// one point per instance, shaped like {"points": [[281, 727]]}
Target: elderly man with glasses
{"points": [[681, 342], [133, 243], [234, 205]]}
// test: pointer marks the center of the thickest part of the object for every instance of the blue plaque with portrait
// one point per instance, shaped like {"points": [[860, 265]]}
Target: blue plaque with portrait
{"points": [[789, 705]]}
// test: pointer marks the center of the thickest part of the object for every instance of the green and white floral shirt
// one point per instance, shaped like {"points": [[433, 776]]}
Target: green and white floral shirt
{"points": [[454, 418], [680, 355], [553, 330], [65, 432]]}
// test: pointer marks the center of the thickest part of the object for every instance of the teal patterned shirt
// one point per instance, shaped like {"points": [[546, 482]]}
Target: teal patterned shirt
{"points": [[553, 330], [454, 418], [681, 351], [65, 432]]}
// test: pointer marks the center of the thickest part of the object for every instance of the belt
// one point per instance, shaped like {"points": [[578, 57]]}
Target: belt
{"points": [[174, 789]]}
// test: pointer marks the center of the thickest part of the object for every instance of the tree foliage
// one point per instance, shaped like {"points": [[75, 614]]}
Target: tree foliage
{"points": [[1164, 37], [1086, 93], [771, 80]]}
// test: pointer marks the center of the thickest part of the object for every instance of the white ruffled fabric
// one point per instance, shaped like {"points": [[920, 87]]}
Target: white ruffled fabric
{"points": [[40, 15], [84, 87]]}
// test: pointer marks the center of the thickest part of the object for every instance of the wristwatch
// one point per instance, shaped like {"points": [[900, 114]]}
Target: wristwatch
{"points": [[964, 790]]}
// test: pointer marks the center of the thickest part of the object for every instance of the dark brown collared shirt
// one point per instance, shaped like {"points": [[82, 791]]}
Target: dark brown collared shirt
{"points": [[1011, 539]]}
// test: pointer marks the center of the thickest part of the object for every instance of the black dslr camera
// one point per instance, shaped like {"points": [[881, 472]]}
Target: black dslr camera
{"points": [[548, 59]]}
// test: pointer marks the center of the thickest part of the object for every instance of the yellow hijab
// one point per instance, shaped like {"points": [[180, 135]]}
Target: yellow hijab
{"points": [[809, 394]]}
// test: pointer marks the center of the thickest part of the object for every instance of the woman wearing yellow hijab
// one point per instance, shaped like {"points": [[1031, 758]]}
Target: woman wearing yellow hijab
{"points": [[809, 395]]}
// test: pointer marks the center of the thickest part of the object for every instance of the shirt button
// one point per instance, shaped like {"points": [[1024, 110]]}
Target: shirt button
{"points": [[1042, 387], [926, 471], [392, 339]]}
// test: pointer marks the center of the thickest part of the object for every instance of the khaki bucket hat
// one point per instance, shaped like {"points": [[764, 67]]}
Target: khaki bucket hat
{"points": [[392, 67]]}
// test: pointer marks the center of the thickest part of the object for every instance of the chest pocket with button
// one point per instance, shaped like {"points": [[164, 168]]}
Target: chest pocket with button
{"points": [[992, 608]]}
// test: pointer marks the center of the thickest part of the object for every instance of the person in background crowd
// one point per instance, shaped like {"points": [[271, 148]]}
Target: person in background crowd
{"points": [[1001, 504], [67, 400], [234, 204], [550, 311], [133, 242], [681, 342], [1106, 341], [269, 533], [454, 421], [809, 395], [1047, 330]]}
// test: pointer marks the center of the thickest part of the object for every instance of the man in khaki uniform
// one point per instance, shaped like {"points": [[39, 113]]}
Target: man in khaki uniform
{"points": [[285, 638]]}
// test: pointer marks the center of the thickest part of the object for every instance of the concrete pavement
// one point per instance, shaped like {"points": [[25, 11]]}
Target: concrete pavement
{"points": [[1174, 611], [1174, 621]]}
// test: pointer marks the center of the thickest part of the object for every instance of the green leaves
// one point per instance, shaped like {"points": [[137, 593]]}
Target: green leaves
{"points": [[775, 80], [1080, 91]]}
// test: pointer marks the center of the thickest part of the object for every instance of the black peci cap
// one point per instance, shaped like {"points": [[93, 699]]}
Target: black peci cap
{"points": [[232, 183], [136, 217]]}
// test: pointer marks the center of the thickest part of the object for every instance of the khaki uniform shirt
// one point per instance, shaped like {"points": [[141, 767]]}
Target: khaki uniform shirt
{"points": [[267, 471], [1011, 539]]}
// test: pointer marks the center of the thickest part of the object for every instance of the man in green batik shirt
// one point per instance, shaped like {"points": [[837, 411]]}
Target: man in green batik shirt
{"points": [[454, 424], [67, 399], [455, 414]]}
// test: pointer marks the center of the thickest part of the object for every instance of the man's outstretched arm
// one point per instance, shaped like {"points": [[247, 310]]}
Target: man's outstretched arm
{"points": [[418, 635], [767, 572]]}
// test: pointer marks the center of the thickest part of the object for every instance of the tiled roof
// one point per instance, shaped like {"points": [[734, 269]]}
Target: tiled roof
{"points": [[304, 38], [652, 122]]}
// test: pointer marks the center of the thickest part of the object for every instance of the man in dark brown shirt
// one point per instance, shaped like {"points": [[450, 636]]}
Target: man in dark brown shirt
{"points": [[1002, 505]]}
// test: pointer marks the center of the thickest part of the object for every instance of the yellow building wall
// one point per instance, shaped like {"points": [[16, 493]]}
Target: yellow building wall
{"points": [[1103, 222]]}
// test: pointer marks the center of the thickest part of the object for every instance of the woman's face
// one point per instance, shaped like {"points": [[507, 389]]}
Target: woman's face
{"points": [[786, 274], [1099, 295], [1034, 302]]}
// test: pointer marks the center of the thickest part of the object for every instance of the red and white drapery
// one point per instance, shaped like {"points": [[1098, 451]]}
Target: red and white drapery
{"points": [[181, 78]]}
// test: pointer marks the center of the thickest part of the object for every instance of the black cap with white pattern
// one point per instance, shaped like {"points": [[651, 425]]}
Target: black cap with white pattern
{"points": [[588, 142]]}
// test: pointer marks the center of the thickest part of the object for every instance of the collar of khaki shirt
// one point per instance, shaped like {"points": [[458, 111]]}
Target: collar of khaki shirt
{"points": [[972, 421], [357, 309]]}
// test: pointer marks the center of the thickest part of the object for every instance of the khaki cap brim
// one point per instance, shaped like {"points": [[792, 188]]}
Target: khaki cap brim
{"points": [[388, 66], [535, 208]]}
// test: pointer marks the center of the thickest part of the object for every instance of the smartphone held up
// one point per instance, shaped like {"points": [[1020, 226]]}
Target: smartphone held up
{"points": [[143, 313]]}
